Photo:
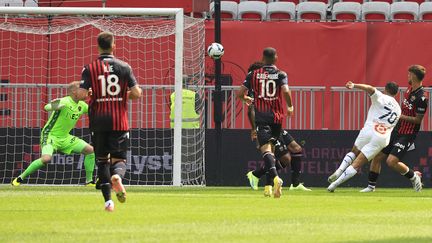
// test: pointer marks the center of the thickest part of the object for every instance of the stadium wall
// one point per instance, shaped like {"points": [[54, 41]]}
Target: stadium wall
{"points": [[323, 151]]}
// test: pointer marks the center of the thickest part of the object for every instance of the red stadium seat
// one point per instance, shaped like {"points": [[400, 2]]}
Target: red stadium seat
{"points": [[425, 11], [292, 1], [280, 16], [417, 1], [346, 16], [375, 16], [355, 1], [404, 11], [251, 16], [311, 11], [281, 11], [403, 16], [252, 10], [310, 16]]}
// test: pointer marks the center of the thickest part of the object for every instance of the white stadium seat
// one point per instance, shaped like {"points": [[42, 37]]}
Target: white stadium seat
{"points": [[311, 11], [281, 10], [229, 10], [376, 11], [346, 11], [252, 10], [404, 11], [425, 11]]}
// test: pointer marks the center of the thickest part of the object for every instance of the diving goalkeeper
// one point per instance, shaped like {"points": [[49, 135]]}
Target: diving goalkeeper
{"points": [[55, 135]]}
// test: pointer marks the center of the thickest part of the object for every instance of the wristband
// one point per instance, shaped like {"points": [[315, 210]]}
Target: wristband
{"points": [[290, 108]]}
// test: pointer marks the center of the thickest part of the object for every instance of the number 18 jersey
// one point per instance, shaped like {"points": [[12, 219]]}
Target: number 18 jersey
{"points": [[265, 86], [383, 112], [109, 79]]}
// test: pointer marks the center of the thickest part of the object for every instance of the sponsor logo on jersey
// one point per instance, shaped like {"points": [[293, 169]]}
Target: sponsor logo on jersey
{"points": [[400, 145], [407, 104]]}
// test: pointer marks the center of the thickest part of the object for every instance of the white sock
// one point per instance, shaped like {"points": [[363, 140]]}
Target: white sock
{"points": [[347, 161], [107, 203], [347, 174]]}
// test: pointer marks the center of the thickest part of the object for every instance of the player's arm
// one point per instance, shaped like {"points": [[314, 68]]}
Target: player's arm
{"points": [[134, 93], [54, 105], [286, 92], [85, 85], [421, 107], [251, 117], [365, 87], [242, 95], [135, 90]]}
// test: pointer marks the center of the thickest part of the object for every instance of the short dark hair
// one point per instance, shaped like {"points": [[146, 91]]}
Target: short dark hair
{"points": [[418, 70], [269, 55], [255, 66], [392, 88], [105, 40]]}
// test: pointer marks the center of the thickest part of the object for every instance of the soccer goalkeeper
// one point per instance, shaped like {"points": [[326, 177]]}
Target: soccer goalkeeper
{"points": [[55, 135]]}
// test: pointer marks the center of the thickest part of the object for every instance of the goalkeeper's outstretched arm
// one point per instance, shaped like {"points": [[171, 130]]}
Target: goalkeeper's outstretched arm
{"points": [[54, 105]]}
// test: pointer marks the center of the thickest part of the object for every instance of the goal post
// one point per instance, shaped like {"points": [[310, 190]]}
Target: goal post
{"points": [[162, 46]]}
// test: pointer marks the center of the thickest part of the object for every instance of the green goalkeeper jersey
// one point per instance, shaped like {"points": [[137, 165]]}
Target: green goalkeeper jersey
{"points": [[62, 121]]}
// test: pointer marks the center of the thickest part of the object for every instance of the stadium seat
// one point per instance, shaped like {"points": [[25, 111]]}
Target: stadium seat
{"points": [[375, 11], [425, 11], [417, 1], [281, 11], [253, 10], [387, 1], [404, 11], [11, 3], [355, 1], [291, 1], [229, 9], [346, 11], [311, 11]]}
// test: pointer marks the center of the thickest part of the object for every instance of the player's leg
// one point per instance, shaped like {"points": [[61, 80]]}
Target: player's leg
{"points": [[76, 145], [296, 159], [99, 140], [368, 152], [394, 161], [374, 170], [48, 146], [346, 162], [362, 139], [119, 144], [414, 176]]}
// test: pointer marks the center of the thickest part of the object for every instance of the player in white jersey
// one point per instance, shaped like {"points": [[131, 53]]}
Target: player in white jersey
{"points": [[382, 117]]}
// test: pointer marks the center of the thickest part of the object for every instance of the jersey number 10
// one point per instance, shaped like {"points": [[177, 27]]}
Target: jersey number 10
{"points": [[268, 88], [108, 83]]}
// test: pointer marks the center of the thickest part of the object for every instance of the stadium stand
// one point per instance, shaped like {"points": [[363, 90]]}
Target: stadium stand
{"points": [[281, 11], [252, 10], [375, 11], [425, 11], [346, 11], [291, 1], [18, 3], [229, 10], [311, 11], [404, 11]]}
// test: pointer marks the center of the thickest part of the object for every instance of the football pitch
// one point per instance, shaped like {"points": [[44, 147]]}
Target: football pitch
{"points": [[214, 214]]}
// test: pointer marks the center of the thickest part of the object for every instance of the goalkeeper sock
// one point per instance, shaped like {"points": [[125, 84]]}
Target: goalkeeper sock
{"points": [[89, 164], [34, 166]]}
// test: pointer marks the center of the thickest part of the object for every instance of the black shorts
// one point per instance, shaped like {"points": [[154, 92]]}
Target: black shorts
{"points": [[268, 133], [114, 143], [281, 145], [399, 145]]}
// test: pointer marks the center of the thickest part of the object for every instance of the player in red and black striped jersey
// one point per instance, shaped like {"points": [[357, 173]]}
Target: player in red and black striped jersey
{"points": [[112, 83], [414, 107], [267, 84]]}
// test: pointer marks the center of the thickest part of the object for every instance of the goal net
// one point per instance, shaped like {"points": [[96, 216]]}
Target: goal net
{"points": [[41, 52]]}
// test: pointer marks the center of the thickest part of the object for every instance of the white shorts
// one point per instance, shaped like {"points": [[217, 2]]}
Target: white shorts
{"points": [[370, 141]]}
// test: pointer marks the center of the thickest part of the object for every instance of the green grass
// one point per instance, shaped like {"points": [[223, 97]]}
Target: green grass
{"points": [[75, 214]]}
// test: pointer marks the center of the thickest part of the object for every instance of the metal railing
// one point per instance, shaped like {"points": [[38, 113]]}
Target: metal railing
{"points": [[316, 107], [353, 105]]}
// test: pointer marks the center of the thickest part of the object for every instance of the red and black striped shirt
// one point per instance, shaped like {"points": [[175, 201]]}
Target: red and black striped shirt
{"points": [[415, 102], [109, 79], [265, 86]]}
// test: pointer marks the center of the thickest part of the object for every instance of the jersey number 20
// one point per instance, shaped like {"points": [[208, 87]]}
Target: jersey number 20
{"points": [[109, 85]]}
